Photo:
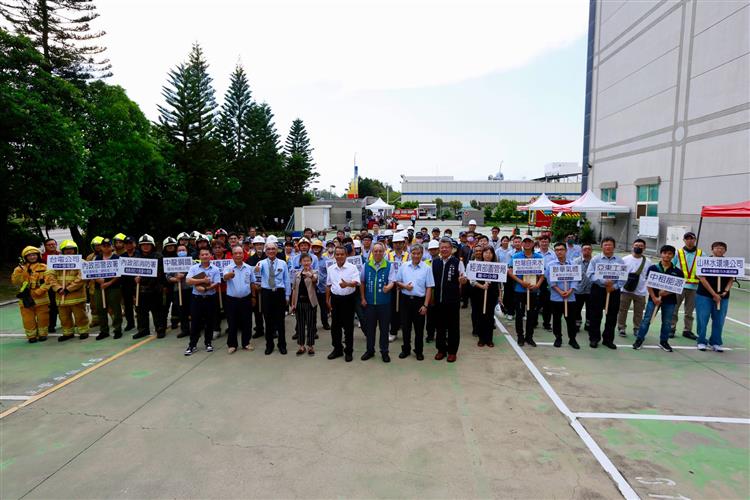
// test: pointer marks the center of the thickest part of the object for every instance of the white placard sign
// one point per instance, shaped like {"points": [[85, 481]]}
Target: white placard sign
{"points": [[94, 269], [63, 262], [523, 267], [487, 271], [134, 266], [220, 264], [667, 282], [610, 271], [565, 272], [720, 266], [174, 265], [356, 260]]}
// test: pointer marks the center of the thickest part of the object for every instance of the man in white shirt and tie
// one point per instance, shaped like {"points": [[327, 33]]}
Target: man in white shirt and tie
{"points": [[275, 292]]}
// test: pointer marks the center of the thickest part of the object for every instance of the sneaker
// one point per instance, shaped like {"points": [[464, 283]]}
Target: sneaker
{"points": [[209, 348], [622, 333], [717, 348], [665, 346], [701, 347], [637, 344], [190, 350], [391, 338]]}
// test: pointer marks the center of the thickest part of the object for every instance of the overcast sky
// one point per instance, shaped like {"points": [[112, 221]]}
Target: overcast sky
{"points": [[414, 87]]}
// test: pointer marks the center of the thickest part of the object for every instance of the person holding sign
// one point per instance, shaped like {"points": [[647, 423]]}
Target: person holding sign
{"points": [[181, 293], [378, 279], [562, 293], [712, 302], [149, 293], [239, 278], [416, 282], [205, 278], [275, 292], [28, 276], [527, 291], [107, 295], [685, 260], [448, 273], [605, 297], [663, 299], [70, 293], [484, 296]]}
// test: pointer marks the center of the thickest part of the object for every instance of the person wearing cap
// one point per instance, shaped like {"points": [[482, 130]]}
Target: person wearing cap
{"points": [[239, 278], [96, 247], [366, 246], [256, 256], [70, 294], [378, 279], [221, 236], [276, 289], [520, 287], [398, 256], [183, 239], [357, 247], [598, 298], [544, 304], [118, 243], [304, 248], [150, 299], [50, 248], [686, 260], [127, 286], [109, 289], [341, 284], [436, 233], [448, 274], [330, 249], [416, 282], [322, 269], [28, 276], [205, 278]]}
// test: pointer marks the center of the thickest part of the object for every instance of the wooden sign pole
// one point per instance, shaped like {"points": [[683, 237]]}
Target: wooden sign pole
{"points": [[63, 287]]}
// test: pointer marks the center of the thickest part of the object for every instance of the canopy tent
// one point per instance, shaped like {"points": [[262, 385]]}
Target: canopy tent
{"points": [[379, 204], [731, 210], [541, 203], [589, 202]]}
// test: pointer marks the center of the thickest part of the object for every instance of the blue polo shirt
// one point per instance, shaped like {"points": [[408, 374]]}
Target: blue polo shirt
{"points": [[244, 276], [420, 276], [211, 272], [521, 255]]}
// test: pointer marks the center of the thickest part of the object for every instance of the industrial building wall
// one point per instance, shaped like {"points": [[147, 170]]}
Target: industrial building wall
{"points": [[487, 191], [671, 108]]}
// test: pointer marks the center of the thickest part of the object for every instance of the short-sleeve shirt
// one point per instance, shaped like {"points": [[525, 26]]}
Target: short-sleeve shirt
{"points": [[521, 255], [347, 272], [420, 276], [211, 272]]}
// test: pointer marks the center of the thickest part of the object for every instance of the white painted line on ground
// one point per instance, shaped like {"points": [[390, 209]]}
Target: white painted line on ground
{"points": [[626, 346], [625, 488], [670, 418], [738, 321], [14, 398]]}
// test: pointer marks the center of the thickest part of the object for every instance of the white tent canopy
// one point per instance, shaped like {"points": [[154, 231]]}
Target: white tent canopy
{"points": [[541, 203], [589, 202], [379, 204]]}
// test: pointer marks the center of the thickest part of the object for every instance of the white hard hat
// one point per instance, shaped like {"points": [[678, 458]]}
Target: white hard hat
{"points": [[357, 244], [433, 244], [400, 227], [472, 222], [272, 239], [398, 237], [387, 232], [258, 239]]}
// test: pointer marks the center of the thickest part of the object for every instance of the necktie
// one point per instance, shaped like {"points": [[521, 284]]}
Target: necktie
{"points": [[271, 275]]}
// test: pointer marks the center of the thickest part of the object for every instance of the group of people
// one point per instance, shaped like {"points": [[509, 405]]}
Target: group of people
{"points": [[407, 281]]}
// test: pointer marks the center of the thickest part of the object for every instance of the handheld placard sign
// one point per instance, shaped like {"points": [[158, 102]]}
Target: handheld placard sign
{"points": [[177, 265], [610, 271], [486, 271], [529, 269], [729, 267], [96, 269], [64, 262], [134, 266], [565, 273]]}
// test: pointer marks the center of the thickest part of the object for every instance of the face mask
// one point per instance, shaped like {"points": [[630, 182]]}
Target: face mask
{"points": [[571, 240], [182, 253], [637, 250]]}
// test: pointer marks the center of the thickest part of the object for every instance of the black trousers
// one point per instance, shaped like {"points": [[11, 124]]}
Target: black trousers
{"points": [[377, 316], [323, 308], [342, 321], [430, 323], [447, 328], [476, 296], [582, 299], [239, 317], [596, 303], [183, 312], [150, 302], [410, 317], [274, 307], [532, 315], [166, 307], [544, 305], [509, 299], [202, 308], [52, 311], [558, 313], [128, 302], [395, 316]]}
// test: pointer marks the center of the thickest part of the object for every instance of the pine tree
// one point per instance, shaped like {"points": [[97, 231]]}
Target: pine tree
{"points": [[232, 127], [61, 31], [299, 168]]}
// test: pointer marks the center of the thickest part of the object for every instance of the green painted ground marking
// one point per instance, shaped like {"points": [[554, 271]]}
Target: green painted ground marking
{"points": [[7, 463], [140, 374]]}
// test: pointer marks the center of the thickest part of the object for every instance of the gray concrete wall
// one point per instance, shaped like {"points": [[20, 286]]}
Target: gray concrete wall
{"points": [[671, 98]]}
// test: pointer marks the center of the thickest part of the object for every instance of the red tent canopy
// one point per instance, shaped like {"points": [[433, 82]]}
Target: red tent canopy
{"points": [[741, 209]]}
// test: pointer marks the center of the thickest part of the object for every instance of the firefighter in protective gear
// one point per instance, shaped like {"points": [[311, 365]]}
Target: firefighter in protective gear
{"points": [[169, 249], [150, 296], [96, 246], [33, 294], [118, 241], [183, 239], [70, 295]]}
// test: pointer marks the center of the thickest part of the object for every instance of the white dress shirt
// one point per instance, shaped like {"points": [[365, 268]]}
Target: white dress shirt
{"points": [[348, 272]]}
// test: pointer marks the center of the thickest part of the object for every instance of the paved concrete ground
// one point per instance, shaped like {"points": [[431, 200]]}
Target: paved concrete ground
{"points": [[154, 423]]}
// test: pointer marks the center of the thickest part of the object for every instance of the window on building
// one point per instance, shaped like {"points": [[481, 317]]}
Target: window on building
{"points": [[647, 200], [609, 195]]}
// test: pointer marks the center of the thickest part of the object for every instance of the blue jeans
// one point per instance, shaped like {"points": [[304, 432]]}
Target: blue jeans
{"points": [[705, 308], [666, 320]]}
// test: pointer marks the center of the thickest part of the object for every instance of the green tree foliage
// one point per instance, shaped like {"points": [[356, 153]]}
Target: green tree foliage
{"points": [[61, 31], [299, 167], [233, 123], [506, 211], [563, 226], [371, 187]]}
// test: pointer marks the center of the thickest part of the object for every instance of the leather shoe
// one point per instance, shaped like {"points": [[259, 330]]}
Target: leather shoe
{"points": [[348, 358], [439, 356], [520, 342], [386, 357], [140, 335], [335, 354], [611, 345], [420, 356], [558, 342], [574, 344], [268, 350], [259, 335], [530, 341], [367, 355], [403, 355], [451, 358], [593, 345], [326, 327], [282, 350]]}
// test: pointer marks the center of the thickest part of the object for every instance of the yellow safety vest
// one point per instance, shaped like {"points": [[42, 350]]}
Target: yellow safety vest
{"points": [[689, 274]]}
